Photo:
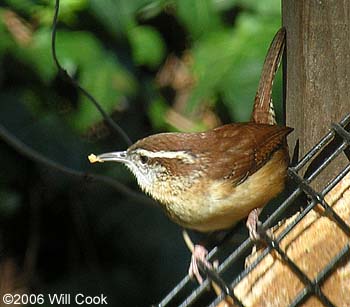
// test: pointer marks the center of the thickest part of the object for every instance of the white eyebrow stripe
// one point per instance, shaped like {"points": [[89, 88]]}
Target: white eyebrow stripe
{"points": [[182, 155]]}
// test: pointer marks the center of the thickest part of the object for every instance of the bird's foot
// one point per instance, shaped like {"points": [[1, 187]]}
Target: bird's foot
{"points": [[254, 225], [199, 254]]}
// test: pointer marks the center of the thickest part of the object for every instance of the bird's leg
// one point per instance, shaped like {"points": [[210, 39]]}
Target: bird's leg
{"points": [[254, 225], [199, 253]]}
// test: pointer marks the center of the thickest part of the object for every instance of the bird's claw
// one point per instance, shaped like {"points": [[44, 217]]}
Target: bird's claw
{"points": [[254, 225], [199, 254]]}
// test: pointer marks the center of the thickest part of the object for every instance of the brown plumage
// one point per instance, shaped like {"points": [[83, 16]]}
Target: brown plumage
{"points": [[210, 180], [242, 147], [225, 158], [263, 111]]}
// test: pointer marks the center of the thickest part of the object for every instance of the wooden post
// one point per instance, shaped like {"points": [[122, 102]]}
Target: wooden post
{"points": [[317, 69]]}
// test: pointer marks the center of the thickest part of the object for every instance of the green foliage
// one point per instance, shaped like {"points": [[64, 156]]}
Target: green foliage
{"points": [[157, 111], [226, 59], [199, 17], [228, 63], [88, 234], [43, 10], [80, 53], [147, 46]]}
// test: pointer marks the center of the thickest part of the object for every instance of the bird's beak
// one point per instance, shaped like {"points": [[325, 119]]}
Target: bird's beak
{"points": [[117, 156]]}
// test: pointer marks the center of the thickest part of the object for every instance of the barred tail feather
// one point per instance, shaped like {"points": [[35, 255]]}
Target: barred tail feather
{"points": [[263, 111]]}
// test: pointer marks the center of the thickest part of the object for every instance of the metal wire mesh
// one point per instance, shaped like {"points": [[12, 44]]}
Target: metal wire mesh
{"points": [[339, 138]]}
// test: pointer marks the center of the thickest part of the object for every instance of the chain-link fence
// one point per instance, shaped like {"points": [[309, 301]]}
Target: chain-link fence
{"points": [[336, 141]]}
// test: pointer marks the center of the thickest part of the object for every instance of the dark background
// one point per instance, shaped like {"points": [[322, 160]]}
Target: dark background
{"points": [[153, 66]]}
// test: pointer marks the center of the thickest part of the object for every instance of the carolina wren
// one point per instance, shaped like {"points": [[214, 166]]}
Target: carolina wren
{"points": [[210, 180]]}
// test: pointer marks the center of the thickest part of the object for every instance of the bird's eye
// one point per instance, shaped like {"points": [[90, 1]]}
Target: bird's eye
{"points": [[143, 159]]}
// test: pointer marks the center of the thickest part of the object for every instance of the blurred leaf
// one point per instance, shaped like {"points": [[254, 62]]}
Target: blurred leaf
{"points": [[240, 84], [116, 16], [69, 52], [229, 63], [156, 113], [213, 59], [81, 55], [68, 11], [106, 81], [152, 9], [222, 5], [21, 5], [147, 46], [266, 7], [43, 11], [199, 17], [38, 54], [7, 44]]}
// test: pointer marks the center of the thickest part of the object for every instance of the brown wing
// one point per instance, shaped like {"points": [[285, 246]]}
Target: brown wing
{"points": [[247, 148], [232, 151]]}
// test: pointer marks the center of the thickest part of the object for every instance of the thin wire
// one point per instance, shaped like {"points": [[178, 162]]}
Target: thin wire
{"points": [[33, 155], [312, 287], [65, 74]]}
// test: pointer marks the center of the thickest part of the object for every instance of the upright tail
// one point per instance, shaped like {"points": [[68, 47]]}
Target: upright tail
{"points": [[263, 112]]}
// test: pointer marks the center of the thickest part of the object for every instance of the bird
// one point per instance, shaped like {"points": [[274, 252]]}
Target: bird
{"points": [[208, 181]]}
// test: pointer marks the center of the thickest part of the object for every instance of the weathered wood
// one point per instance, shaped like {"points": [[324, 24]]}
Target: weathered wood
{"points": [[311, 245], [317, 70]]}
